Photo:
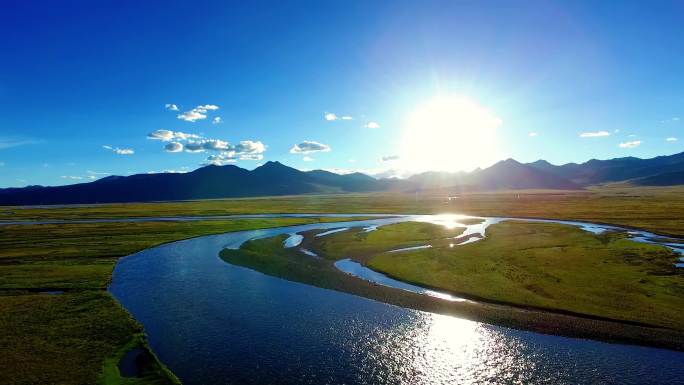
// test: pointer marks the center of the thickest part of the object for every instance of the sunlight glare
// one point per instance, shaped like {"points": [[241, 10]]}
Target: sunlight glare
{"points": [[450, 134]]}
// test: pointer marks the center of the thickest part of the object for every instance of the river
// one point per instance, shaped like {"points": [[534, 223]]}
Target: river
{"points": [[213, 323]]}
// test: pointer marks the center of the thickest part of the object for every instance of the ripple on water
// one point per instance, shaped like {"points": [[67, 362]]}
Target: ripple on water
{"points": [[242, 326]]}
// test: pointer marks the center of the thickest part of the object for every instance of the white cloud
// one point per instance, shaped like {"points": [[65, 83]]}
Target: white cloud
{"points": [[221, 159], [72, 177], [245, 150], [631, 136], [616, 131], [329, 116], [215, 145], [389, 173], [167, 135], [389, 158], [372, 125], [347, 117], [251, 156], [308, 146], [594, 134], [197, 113], [216, 120], [92, 175], [352, 160], [532, 134], [191, 116], [632, 144], [15, 142], [248, 147], [671, 139], [206, 145], [308, 159], [173, 147], [171, 107], [119, 151], [90, 172]]}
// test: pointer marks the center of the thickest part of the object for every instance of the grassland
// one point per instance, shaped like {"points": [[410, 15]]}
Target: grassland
{"points": [[535, 267], [77, 337], [358, 243], [658, 209], [553, 266]]}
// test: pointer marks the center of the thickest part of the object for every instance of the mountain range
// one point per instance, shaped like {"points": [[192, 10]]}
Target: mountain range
{"points": [[274, 178]]}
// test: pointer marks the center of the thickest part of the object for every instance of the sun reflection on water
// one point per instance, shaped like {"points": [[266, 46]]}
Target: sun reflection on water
{"points": [[436, 349], [449, 221]]}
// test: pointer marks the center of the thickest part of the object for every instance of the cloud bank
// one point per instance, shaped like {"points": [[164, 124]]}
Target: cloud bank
{"points": [[167, 135]]}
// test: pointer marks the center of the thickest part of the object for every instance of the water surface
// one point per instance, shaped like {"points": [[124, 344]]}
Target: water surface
{"points": [[215, 323]]}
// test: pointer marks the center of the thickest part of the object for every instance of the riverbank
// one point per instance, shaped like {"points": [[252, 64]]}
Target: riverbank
{"points": [[60, 325], [503, 298]]}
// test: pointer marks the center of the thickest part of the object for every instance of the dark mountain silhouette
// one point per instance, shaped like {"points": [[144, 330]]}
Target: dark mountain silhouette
{"points": [[274, 178], [615, 170], [510, 174], [209, 182], [664, 179], [505, 175]]}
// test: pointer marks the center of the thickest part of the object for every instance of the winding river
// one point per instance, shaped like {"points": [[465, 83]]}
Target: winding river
{"points": [[211, 322]]}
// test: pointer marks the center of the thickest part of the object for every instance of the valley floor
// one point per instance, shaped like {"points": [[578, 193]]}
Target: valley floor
{"points": [[61, 326], [656, 209], [538, 276]]}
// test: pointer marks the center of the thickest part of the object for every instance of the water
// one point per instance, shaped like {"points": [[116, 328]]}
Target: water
{"points": [[358, 270], [212, 322], [308, 252], [410, 248], [333, 231], [293, 240]]}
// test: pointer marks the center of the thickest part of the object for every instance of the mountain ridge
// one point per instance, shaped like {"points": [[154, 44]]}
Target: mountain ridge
{"points": [[275, 178]]}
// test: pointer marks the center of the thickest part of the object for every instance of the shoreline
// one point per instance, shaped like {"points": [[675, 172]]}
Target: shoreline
{"points": [[514, 317], [521, 317]]}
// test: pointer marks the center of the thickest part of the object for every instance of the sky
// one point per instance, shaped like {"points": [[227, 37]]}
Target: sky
{"points": [[89, 89]]}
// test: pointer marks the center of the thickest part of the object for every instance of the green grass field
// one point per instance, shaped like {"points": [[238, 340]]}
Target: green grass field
{"points": [[541, 265], [77, 337], [659, 209], [555, 267]]}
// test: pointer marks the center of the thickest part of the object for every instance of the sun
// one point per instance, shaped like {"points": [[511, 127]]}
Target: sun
{"points": [[449, 133]]}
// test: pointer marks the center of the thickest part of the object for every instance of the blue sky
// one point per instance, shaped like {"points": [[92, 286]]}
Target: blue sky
{"points": [[78, 76]]}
